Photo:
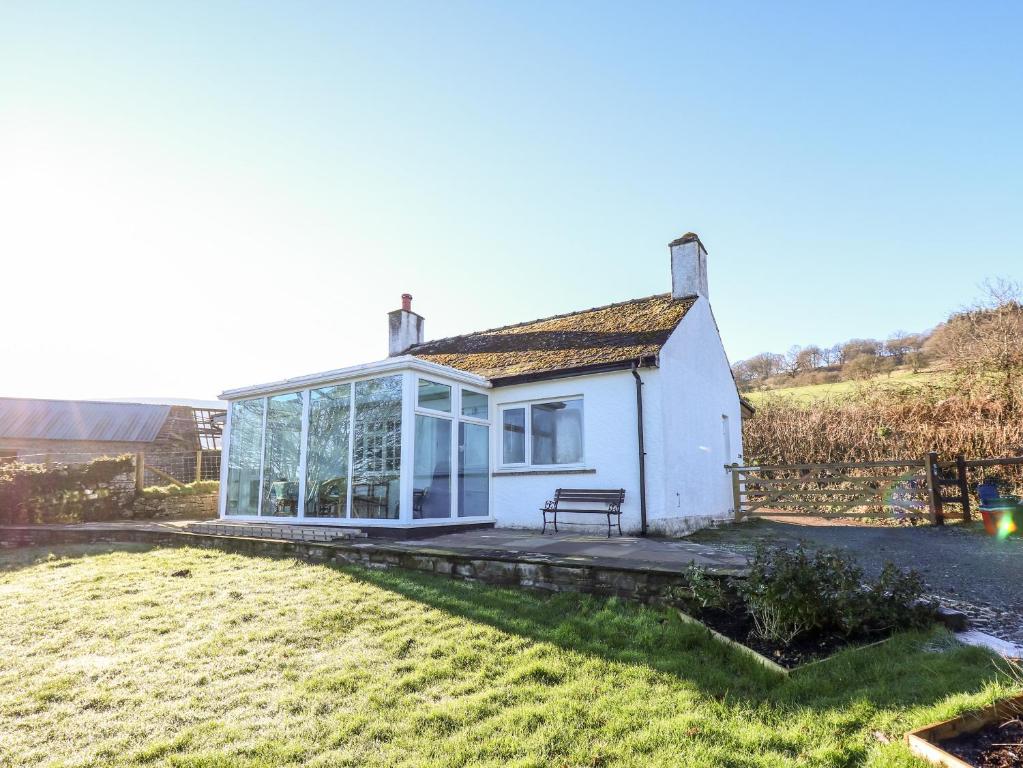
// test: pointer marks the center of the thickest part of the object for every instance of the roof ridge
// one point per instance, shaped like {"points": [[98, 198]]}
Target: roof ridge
{"points": [[83, 402], [551, 317]]}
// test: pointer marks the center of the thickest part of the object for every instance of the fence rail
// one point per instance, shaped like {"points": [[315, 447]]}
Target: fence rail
{"points": [[858, 489]]}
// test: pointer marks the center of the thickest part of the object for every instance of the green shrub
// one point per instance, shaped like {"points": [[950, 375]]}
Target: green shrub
{"points": [[32, 493], [791, 592], [700, 591]]}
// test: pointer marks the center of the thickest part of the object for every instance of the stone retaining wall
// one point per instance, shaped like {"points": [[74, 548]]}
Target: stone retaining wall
{"points": [[524, 571], [199, 507]]}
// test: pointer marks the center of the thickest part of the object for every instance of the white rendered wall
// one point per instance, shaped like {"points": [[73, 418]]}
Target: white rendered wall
{"points": [[697, 389], [610, 454]]}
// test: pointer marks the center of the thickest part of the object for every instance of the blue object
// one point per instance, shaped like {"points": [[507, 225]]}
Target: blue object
{"points": [[990, 498]]}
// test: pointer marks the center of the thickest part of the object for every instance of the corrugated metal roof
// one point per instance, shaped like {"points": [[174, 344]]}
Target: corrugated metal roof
{"points": [[80, 420]]}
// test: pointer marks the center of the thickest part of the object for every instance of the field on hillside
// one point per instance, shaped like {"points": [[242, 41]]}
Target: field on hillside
{"points": [[900, 379], [145, 657]]}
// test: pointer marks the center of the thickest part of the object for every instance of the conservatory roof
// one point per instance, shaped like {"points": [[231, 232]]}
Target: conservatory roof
{"points": [[378, 368], [609, 336]]}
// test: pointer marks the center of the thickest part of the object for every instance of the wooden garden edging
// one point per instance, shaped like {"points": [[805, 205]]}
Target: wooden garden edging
{"points": [[923, 742], [857, 489]]}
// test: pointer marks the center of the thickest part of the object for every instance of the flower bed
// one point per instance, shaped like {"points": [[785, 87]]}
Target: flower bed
{"points": [[990, 738], [795, 608]]}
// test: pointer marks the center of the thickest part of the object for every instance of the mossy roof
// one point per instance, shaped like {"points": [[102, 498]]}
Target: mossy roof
{"points": [[592, 338]]}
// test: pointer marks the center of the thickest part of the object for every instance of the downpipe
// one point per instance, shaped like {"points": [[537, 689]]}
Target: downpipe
{"points": [[642, 449]]}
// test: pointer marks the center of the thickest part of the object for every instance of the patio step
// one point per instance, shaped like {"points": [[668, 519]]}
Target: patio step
{"points": [[277, 531]]}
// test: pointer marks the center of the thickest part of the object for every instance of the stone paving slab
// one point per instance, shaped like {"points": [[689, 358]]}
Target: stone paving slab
{"points": [[625, 552]]}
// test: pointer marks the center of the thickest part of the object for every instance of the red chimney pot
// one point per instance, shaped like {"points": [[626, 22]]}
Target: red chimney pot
{"points": [[406, 302]]}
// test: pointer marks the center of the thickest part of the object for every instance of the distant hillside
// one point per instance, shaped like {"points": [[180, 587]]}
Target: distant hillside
{"points": [[955, 389], [897, 379]]}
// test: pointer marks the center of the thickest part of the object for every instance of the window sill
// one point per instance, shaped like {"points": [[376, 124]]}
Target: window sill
{"points": [[538, 471]]}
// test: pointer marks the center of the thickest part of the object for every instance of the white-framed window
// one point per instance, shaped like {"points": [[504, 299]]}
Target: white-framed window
{"points": [[542, 434], [451, 465]]}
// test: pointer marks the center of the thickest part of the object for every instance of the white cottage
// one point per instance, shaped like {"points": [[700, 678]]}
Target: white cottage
{"points": [[480, 429]]}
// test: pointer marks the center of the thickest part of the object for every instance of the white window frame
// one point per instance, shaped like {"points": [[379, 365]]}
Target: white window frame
{"points": [[455, 416], [528, 464]]}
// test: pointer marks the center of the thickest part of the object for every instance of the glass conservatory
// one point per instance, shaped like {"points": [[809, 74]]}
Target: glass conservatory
{"points": [[401, 442]]}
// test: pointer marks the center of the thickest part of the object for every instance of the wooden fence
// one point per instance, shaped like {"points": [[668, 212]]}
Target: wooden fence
{"points": [[858, 489]]}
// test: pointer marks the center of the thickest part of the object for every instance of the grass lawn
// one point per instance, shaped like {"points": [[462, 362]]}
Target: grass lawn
{"points": [[111, 660]]}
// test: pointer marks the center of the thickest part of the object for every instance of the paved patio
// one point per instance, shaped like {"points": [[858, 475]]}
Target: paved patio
{"points": [[624, 552]]}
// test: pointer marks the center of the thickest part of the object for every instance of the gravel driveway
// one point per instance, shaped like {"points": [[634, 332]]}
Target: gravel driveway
{"points": [[963, 568]]}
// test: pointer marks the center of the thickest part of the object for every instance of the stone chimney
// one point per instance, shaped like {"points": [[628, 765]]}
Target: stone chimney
{"points": [[404, 327], [688, 266]]}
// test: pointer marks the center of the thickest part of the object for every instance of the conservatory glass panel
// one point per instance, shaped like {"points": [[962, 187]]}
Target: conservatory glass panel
{"points": [[473, 470], [376, 448], [243, 457], [513, 431], [475, 404], [436, 397], [557, 432], [431, 478], [282, 448], [327, 446]]}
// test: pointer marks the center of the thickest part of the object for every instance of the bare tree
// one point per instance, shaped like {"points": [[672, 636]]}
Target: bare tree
{"points": [[760, 367], [811, 357], [985, 341]]}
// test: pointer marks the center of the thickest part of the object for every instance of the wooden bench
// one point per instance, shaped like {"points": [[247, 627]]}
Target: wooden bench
{"points": [[611, 498]]}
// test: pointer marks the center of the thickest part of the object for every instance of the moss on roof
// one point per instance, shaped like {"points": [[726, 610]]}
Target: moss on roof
{"points": [[616, 333]]}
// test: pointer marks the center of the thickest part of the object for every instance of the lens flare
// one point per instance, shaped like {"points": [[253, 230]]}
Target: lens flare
{"points": [[1006, 525]]}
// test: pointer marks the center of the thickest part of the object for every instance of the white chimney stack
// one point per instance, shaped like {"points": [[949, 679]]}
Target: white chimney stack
{"points": [[688, 267], [405, 328]]}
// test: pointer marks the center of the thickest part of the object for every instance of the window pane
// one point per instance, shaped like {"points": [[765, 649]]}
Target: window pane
{"points": [[436, 397], [244, 456], [376, 455], [475, 404], [431, 478], [513, 430], [326, 492], [280, 455], [557, 432], [473, 470]]}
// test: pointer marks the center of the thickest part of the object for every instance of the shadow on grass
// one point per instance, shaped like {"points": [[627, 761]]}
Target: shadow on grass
{"points": [[912, 669]]}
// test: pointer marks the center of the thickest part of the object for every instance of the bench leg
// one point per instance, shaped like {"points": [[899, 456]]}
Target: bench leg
{"points": [[619, 525], [609, 525], [555, 521], [544, 523]]}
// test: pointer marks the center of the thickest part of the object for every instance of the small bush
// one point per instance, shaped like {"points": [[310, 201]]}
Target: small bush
{"points": [[701, 591], [792, 592]]}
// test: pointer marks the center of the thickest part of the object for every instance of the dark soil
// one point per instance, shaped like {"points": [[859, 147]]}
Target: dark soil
{"points": [[999, 745], [964, 569], [737, 625]]}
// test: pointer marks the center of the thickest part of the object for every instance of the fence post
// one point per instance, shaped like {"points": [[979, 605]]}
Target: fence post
{"points": [[140, 472], [736, 491], [964, 486], [934, 488], [198, 465]]}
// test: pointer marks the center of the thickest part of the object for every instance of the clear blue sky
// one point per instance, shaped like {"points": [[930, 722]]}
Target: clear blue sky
{"points": [[195, 196]]}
